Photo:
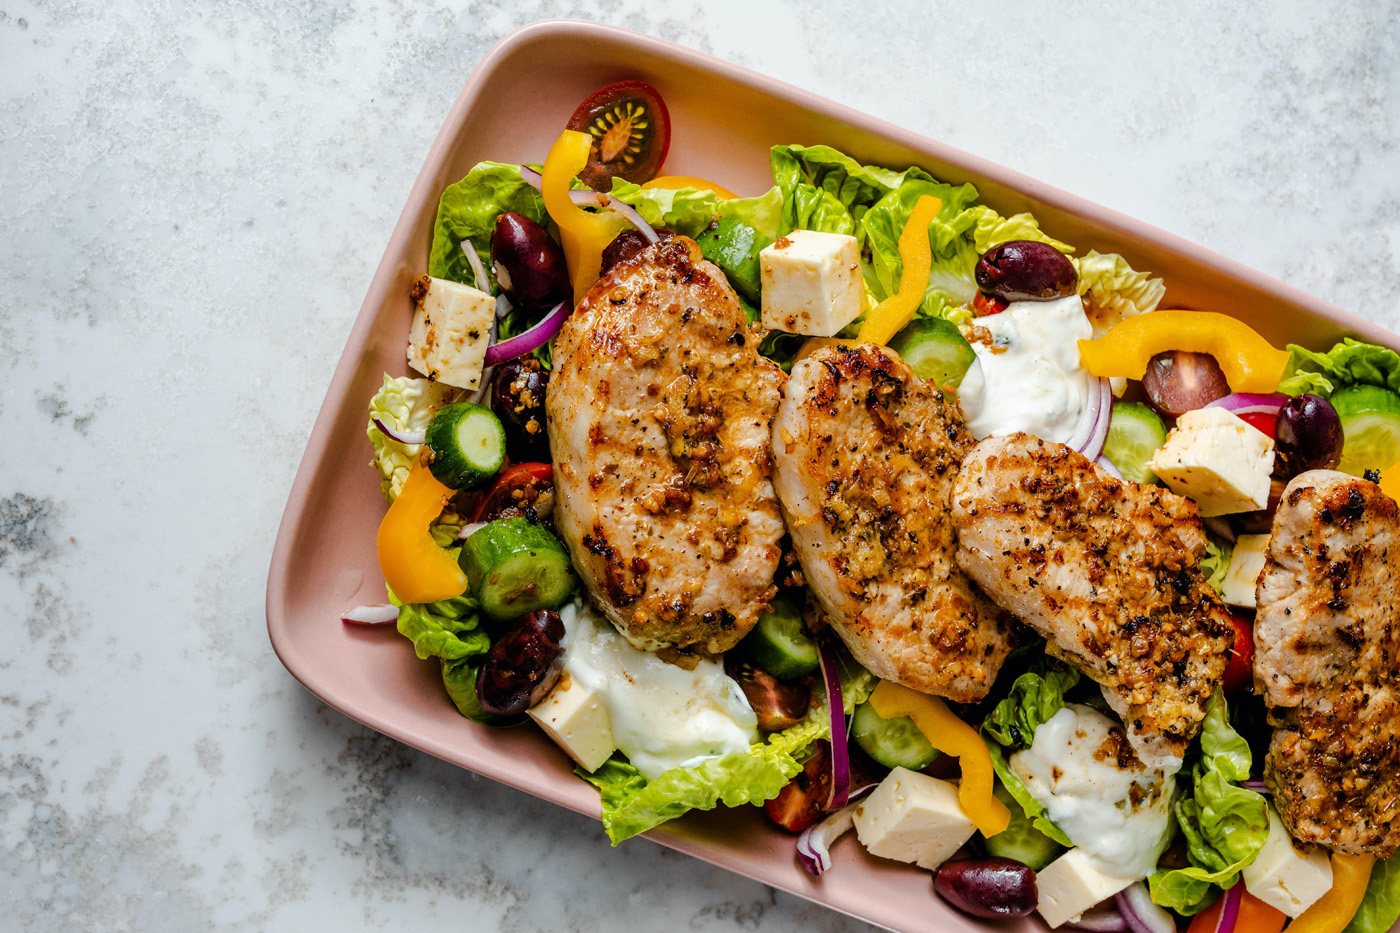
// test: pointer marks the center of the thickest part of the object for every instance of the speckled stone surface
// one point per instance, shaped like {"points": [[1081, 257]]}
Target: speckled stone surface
{"points": [[193, 197]]}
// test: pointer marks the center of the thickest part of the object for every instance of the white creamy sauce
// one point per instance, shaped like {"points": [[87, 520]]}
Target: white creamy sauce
{"points": [[663, 717], [1027, 375], [1121, 818]]}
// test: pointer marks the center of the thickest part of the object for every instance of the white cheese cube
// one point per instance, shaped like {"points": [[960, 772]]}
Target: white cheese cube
{"points": [[451, 330], [912, 817], [811, 283], [1242, 576], [1071, 885], [574, 716], [1217, 459], [1285, 878]]}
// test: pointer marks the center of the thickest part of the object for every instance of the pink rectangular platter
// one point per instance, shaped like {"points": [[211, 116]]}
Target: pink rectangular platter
{"points": [[724, 120]]}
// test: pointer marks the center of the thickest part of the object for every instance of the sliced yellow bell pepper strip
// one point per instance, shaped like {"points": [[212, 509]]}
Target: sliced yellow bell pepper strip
{"points": [[1250, 363], [1332, 913], [1390, 482], [416, 569], [950, 735], [916, 257], [585, 235], [677, 182]]}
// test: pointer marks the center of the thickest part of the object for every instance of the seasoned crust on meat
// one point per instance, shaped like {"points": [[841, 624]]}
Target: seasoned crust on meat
{"points": [[1108, 571], [865, 456], [1327, 651], [659, 412]]}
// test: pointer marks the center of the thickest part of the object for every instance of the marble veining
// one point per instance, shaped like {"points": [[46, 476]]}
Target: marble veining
{"points": [[193, 197]]}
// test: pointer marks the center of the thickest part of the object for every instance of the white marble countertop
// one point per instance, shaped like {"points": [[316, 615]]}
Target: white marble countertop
{"points": [[193, 198]]}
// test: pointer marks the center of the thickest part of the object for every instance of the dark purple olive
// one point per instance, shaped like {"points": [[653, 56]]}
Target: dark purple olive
{"points": [[1025, 270], [1177, 382], [523, 665], [517, 397], [994, 888], [529, 266], [1309, 436], [627, 244]]}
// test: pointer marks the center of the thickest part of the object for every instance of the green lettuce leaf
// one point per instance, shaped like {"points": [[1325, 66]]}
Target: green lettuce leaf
{"points": [[1225, 825], [1380, 908], [1350, 362], [951, 282], [468, 211], [1216, 562], [450, 630], [992, 229], [688, 211], [404, 404], [1113, 290], [632, 805], [825, 190]]}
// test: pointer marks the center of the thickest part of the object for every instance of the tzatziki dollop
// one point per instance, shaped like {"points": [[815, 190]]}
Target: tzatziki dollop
{"points": [[663, 716], [1027, 375], [1120, 816]]}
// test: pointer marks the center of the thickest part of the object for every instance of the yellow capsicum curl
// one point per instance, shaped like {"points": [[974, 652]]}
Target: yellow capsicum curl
{"points": [[414, 567], [950, 735], [584, 235], [1334, 910], [916, 259], [1250, 363]]}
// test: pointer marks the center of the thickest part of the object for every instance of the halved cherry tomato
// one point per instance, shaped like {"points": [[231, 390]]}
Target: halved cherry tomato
{"points": [[802, 802], [1262, 422], [676, 182], [1239, 670], [986, 305], [777, 705], [631, 132], [518, 488]]}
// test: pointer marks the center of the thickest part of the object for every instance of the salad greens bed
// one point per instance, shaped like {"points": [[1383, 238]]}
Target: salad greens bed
{"points": [[1222, 823]]}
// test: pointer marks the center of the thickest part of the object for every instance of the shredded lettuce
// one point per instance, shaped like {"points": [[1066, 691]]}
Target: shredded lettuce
{"points": [[1035, 697], [1380, 908], [1350, 362], [467, 211], [688, 211], [633, 805], [450, 631], [1216, 562], [1225, 825], [1113, 290]]}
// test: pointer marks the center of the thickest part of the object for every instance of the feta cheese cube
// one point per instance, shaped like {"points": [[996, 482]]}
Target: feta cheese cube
{"points": [[912, 817], [451, 330], [1217, 459], [811, 283], [1285, 878], [574, 716], [1242, 576], [1071, 885]]}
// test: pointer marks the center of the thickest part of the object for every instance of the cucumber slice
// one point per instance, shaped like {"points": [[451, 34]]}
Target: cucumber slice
{"points": [[894, 743], [780, 644], [1370, 418], [935, 350], [467, 445], [515, 566], [1020, 840], [734, 246], [1135, 433]]}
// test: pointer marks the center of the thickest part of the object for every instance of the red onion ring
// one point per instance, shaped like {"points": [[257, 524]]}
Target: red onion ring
{"points": [[585, 198], [1103, 918], [1255, 784], [409, 438], [1094, 445], [483, 281], [1108, 467], [814, 845], [1251, 403], [1087, 421], [840, 754], [1230, 910], [371, 615], [534, 338], [1141, 915]]}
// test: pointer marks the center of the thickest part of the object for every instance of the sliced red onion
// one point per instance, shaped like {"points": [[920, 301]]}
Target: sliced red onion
{"points": [[840, 754], [1087, 421], [1141, 915], [478, 396], [532, 178], [483, 281], [814, 845], [1108, 467], [1221, 527], [1251, 403], [1230, 909], [585, 198], [1094, 445], [409, 438], [530, 341], [1257, 785], [371, 615], [503, 306], [1103, 918], [470, 529]]}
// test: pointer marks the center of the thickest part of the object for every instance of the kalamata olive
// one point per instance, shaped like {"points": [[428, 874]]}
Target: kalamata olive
{"points": [[1309, 436], [517, 397], [528, 264], [993, 888], [627, 244], [1026, 270], [778, 705], [1177, 382], [523, 665]]}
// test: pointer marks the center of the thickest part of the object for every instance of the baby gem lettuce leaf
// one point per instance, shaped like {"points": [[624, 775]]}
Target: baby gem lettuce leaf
{"points": [[1381, 906], [950, 282], [1113, 290], [1225, 825], [992, 229], [1350, 362], [1216, 563], [688, 211], [404, 404], [468, 211], [822, 189], [450, 631]]}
